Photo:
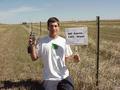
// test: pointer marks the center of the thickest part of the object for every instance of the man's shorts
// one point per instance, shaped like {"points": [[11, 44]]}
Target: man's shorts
{"points": [[65, 84]]}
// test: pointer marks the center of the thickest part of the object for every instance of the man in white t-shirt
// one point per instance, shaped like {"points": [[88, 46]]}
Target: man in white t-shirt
{"points": [[54, 52]]}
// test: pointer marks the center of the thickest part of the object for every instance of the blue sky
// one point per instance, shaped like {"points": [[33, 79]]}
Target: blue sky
{"points": [[17, 11]]}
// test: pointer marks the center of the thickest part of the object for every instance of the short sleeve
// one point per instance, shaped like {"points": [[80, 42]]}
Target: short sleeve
{"points": [[68, 51]]}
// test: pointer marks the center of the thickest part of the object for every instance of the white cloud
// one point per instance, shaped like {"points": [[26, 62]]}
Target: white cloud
{"points": [[13, 12], [4, 15], [23, 9]]}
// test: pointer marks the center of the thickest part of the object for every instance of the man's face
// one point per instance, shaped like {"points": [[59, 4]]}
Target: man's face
{"points": [[53, 29]]}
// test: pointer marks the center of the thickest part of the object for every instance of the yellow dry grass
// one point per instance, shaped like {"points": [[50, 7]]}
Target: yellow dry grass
{"points": [[16, 64]]}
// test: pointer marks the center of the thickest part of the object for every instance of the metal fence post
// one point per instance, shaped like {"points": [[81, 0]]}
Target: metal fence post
{"points": [[97, 52]]}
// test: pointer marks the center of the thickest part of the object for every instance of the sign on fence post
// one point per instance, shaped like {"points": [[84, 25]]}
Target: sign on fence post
{"points": [[77, 36]]}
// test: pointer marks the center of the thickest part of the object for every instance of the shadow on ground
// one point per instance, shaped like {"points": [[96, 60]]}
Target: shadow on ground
{"points": [[21, 85]]}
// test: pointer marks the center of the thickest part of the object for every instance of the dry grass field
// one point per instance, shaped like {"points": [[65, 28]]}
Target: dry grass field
{"points": [[18, 72]]}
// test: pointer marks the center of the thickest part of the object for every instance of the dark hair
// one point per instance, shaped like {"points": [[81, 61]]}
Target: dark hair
{"points": [[53, 19]]}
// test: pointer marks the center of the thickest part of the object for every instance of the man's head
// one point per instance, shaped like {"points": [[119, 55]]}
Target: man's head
{"points": [[52, 20], [53, 26]]}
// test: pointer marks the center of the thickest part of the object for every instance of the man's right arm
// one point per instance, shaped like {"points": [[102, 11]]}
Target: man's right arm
{"points": [[32, 49], [33, 54]]}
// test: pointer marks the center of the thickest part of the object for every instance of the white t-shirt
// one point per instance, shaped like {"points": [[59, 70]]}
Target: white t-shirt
{"points": [[53, 52]]}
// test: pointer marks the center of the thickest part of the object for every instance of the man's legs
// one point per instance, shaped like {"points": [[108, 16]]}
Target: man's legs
{"points": [[50, 85], [66, 84]]}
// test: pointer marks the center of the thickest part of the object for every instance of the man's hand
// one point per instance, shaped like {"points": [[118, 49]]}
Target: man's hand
{"points": [[76, 58], [32, 41], [32, 49]]}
